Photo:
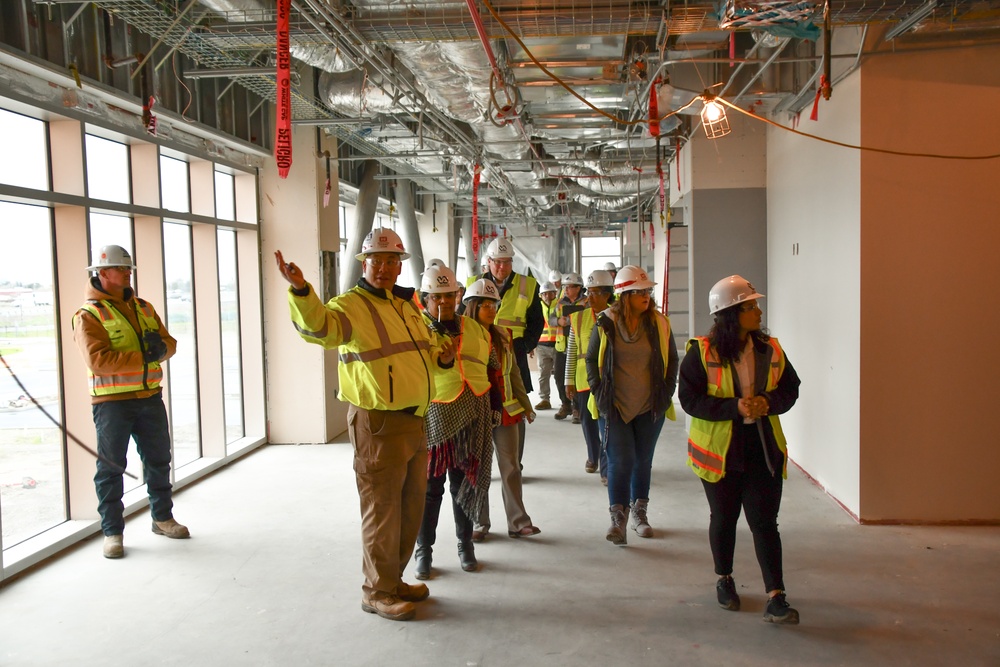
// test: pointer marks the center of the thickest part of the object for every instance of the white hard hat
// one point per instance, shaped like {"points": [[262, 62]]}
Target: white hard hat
{"points": [[438, 280], [572, 279], [599, 278], [481, 289], [112, 256], [555, 276], [631, 278], [610, 266], [435, 262], [730, 292], [500, 249], [547, 287], [382, 239]]}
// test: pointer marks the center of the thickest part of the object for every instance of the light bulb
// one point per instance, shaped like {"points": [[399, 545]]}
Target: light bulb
{"points": [[712, 112]]}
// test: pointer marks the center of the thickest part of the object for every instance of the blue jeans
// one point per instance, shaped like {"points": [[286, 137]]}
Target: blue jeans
{"points": [[144, 419], [630, 450], [593, 433]]}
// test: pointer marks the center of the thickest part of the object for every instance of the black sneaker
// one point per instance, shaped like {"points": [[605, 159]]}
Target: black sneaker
{"points": [[725, 589], [778, 611]]}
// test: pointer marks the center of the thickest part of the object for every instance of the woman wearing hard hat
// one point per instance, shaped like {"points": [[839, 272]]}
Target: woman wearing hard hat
{"points": [[512, 407], [632, 372], [733, 384], [459, 422]]}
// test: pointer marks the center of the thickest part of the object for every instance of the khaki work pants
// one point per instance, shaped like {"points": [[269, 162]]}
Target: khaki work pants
{"points": [[390, 463]]}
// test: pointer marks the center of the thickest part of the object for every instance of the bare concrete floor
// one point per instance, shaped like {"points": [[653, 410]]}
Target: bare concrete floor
{"points": [[272, 576]]}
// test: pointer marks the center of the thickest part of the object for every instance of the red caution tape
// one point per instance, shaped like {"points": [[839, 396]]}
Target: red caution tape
{"points": [[654, 112], [283, 136], [824, 85], [475, 211]]}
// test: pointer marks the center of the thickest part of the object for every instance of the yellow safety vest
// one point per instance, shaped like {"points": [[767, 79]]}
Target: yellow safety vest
{"points": [[708, 441], [124, 339], [472, 354], [550, 332], [385, 350], [513, 310], [582, 323], [510, 402], [663, 331]]}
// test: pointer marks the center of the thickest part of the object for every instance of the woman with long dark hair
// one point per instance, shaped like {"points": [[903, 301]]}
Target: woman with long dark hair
{"points": [[513, 407], [632, 372], [733, 384]]}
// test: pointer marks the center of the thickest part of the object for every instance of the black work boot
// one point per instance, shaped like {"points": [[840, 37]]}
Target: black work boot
{"points": [[423, 563]]}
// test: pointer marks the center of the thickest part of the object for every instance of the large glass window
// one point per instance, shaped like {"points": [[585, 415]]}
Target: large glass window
{"points": [[183, 378], [595, 251], [225, 196], [174, 190], [117, 230], [25, 138], [32, 481], [107, 170], [232, 353]]}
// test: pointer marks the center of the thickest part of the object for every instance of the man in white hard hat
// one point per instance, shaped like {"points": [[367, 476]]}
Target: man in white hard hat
{"points": [[123, 342], [386, 352], [520, 309], [571, 301], [546, 350]]}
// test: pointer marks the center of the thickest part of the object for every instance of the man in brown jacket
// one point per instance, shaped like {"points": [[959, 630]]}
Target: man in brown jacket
{"points": [[123, 342]]}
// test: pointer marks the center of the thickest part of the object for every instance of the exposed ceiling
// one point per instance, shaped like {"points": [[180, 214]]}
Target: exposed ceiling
{"points": [[550, 100]]}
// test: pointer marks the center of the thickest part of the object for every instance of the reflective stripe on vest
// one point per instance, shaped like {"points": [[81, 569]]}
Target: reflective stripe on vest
{"points": [[471, 358], [664, 333], [386, 348], [123, 338], [582, 322], [510, 402], [513, 311], [708, 441], [549, 332]]}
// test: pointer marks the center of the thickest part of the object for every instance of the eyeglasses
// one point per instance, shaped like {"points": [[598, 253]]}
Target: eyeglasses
{"points": [[502, 262], [749, 307], [388, 263], [641, 292], [488, 303], [445, 296]]}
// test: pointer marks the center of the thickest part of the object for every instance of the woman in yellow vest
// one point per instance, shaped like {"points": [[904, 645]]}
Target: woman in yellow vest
{"points": [[512, 406], [632, 372], [733, 384], [599, 294], [459, 422]]}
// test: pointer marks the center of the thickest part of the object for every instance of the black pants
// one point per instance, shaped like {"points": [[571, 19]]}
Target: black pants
{"points": [[432, 509], [757, 492]]}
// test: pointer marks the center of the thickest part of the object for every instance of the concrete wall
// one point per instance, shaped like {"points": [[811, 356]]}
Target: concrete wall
{"points": [[814, 293], [929, 241]]}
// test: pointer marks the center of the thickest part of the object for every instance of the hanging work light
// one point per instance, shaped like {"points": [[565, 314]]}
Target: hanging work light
{"points": [[713, 117]]}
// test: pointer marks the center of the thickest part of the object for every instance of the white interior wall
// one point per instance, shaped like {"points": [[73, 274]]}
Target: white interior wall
{"points": [[813, 297]]}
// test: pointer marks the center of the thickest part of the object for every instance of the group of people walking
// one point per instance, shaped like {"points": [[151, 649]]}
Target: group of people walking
{"points": [[438, 383]]}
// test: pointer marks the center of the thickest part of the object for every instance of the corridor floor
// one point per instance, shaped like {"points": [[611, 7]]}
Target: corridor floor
{"points": [[272, 576]]}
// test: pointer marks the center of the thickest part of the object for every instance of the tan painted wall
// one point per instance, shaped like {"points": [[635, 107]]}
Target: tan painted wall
{"points": [[929, 257]]}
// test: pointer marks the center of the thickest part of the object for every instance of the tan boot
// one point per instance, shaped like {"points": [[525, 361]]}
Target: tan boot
{"points": [[388, 606], [619, 520], [171, 528], [638, 522], [113, 546], [412, 592]]}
